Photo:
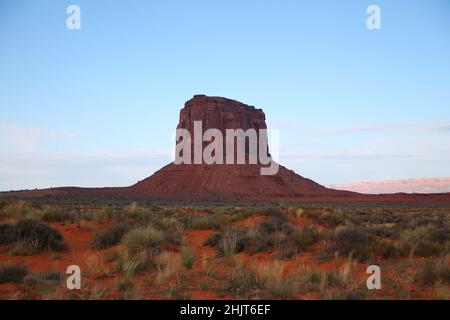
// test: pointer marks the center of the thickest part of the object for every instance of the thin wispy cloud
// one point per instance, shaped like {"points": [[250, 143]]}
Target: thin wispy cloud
{"points": [[29, 137], [385, 127], [99, 168]]}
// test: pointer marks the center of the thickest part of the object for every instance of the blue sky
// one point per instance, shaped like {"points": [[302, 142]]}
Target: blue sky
{"points": [[97, 106]]}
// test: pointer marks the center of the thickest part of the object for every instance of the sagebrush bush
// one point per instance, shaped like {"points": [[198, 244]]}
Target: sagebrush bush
{"points": [[297, 241], [42, 236], [213, 239], [427, 248], [388, 250], [110, 236], [25, 248], [423, 241], [439, 234], [433, 271], [49, 278], [13, 274], [357, 241], [8, 234]]}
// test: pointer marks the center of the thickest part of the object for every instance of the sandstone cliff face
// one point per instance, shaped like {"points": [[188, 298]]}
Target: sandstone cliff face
{"points": [[220, 113]]}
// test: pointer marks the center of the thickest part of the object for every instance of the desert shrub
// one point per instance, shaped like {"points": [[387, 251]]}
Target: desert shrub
{"points": [[433, 271], [173, 237], [439, 234], [8, 234], [414, 235], [385, 232], [425, 248], [297, 241], [166, 265], [106, 213], [271, 282], [320, 280], [170, 227], [423, 241], [357, 241], [214, 221], [25, 248], [232, 242], [275, 233], [167, 224], [60, 216], [18, 210], [241, 280], [273, 211], [13, 274], [49, 278], [205, 223], [213, 239], [372, 218], [275, 223], [109, 236], [331, 220], [347, 294], [388, 250], [188, 255], [135, 261], [144, 238], [40, 235], [404, 249], [126, 288]]}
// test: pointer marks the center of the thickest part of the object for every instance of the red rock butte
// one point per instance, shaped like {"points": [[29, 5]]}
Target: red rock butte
{"points": [[223, 182]]}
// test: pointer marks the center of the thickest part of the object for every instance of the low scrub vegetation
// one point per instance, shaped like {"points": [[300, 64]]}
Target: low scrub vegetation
{"points": [[434, 271], [40, 235], [31, 236], [281, 250], [12, 273], [275, 233], [109, 236], [188, 255], [144, 239], [8, 233], [349, 240]]}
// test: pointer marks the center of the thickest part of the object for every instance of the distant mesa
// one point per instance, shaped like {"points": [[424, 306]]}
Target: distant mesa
{"points": [[423, 185], [221, 182]]}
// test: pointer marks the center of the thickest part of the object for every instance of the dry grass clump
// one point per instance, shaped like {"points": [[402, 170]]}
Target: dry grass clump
{"points": [[167, 265], [188, 256], [144, 239], [264, 281]]}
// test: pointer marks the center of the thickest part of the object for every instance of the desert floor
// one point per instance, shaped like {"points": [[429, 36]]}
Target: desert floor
{"points": [[284, 251]]}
